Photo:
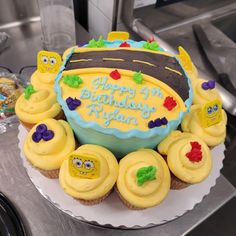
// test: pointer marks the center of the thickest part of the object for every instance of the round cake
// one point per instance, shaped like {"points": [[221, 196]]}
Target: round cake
{"points": [[123, 95]]}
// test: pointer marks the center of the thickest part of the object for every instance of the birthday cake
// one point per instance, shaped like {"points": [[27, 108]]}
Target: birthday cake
{"points": [[124, 95]]}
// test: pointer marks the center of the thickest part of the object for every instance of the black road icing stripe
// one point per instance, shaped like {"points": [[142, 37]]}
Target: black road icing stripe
{"points": [[177, 82]]}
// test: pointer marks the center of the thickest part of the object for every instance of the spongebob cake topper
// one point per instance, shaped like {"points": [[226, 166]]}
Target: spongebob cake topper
{"points": [[211, 113], [49, 62], [84, 166]]}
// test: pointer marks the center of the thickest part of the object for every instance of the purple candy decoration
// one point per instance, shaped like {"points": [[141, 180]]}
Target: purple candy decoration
{"points": [[69, 100], [164, 121], [211, 84], [76, 102], [205, 85], [73, 103], [36, 137], [41, 128], [151, 124], [158, 122], [47, 135]]}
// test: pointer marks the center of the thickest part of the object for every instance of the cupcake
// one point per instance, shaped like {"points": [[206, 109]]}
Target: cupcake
{"points": [[36, 105], [188, 158], [212, 135], [89, 173], [204, 91], [47, 144], [144, 179]]}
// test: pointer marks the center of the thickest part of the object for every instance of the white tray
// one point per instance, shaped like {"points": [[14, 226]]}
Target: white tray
{"points": [[111, 212]]}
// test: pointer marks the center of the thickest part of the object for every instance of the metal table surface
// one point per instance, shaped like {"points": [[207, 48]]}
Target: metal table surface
{"points": [[40, 217]]}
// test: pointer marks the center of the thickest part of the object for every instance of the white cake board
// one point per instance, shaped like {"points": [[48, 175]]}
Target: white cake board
{"points": [[111, 212]]}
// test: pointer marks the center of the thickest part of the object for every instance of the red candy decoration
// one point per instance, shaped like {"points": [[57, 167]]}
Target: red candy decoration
{"points": [[115, 75], [151, 39], [169, 103], [195, 155], [124, 45]]}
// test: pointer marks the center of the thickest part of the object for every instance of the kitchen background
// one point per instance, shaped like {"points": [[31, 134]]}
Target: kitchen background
{"points": [[172, 23]]}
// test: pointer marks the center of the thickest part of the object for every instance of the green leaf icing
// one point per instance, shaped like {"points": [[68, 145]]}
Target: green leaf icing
{"points": [[151, 46], [96, 44], [137, 77], [145, 174], [72, 80], [28, 91]]}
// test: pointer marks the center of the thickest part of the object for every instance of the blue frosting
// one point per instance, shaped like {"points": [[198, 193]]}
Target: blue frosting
{"points": [[112, 138]]}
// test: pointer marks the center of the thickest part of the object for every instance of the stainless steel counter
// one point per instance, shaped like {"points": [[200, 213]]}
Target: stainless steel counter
{"points": [[40, 217]]}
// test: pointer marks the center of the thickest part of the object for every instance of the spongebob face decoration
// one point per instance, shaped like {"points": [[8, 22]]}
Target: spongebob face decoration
{"points": [[84, 166], [49, 62], [211, 113]]}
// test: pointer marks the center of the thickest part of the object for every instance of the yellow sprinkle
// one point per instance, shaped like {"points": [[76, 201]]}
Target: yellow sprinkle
{"points": [[80, 60], [144, 62], [175, 71], [112, 59]]}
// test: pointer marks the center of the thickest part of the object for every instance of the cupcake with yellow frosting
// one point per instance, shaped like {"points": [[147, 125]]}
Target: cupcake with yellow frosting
{"points": [[144, 179], [36, 105], [188, 158], [213, 134], [47, 144], [89, 174], [204, 91]]}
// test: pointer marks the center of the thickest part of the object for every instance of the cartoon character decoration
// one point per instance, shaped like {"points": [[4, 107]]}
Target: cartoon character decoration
{"points": [[211, 113], [48, 62], [84, 166]]}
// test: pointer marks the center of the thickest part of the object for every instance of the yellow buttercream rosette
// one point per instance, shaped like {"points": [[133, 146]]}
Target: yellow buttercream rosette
{"points": [[187, 167], [49, 155], [151, 192], [201, 96], [212, 135], [41, 105], [43, 80], [90, 190]]}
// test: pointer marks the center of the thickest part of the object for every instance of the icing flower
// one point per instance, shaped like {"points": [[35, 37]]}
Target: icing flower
{"points": [[137, 77], [169, 103], [195, 155], [151, 40], [157, 122], [73, 103], [124, 45], [151, 46], [96, 44], [115, 75], [210, 84], [145, 174], [72, 80], [42, 132], [28, 91]]}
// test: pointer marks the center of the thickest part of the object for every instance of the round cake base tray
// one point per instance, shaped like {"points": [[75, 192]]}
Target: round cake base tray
{"points": [[112, 212]]}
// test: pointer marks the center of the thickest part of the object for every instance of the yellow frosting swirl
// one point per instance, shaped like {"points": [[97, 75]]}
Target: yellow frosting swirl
{"points": [[48, 155], [43, 80], [94, 188], [201, 96], [151, 192], [212, 135], [186, 170], [41, 105]]}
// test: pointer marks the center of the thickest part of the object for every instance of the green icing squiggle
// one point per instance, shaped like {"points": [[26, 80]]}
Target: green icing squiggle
{"points": [[145, 174], [151, 46], [96, 44], [28, 91], [72, 80], [138, 78]]}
